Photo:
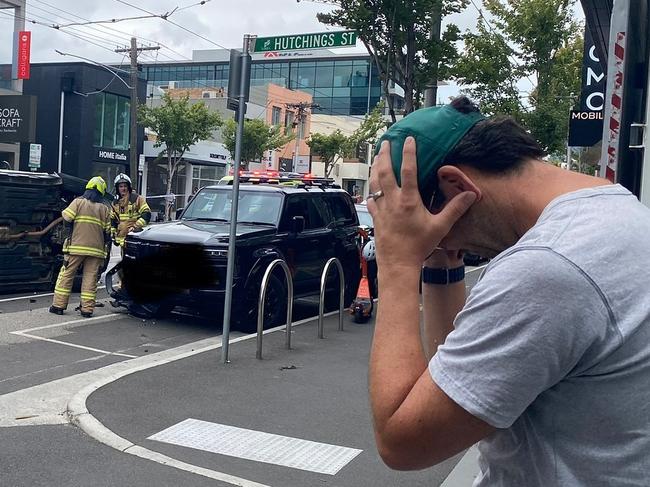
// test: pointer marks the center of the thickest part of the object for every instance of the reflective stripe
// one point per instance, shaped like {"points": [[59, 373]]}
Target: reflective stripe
{"points": [[80, 250], [141, 221], [65, 292], [90, 219], [144, 208], [69, 213], [88, 295]]}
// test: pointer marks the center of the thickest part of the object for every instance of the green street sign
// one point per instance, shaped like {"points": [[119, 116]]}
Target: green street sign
{"points": [[294, 42]]}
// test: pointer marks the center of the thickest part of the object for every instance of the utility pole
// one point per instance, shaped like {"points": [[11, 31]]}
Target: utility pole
{"points": [[300, 111], [431, 91], [133, 51]]}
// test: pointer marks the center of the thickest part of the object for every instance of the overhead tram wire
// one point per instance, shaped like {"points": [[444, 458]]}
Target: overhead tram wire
{"points": [[228, 49], [107, 28], [42, 24]]}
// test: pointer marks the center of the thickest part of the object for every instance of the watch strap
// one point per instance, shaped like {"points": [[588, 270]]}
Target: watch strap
{"points": [[442, 275]]}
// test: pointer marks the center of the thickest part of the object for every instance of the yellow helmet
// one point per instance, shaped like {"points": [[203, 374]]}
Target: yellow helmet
{"points": [[97, 183]]}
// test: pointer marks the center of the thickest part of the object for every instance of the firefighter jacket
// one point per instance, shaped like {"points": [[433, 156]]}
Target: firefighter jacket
{"points": [[91, 226], [129, 213]]}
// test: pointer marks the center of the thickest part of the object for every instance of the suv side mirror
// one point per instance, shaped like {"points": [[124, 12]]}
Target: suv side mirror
{"points": [[297, 224]]}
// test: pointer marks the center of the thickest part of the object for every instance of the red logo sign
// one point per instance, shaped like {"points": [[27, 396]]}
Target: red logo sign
{"points": [[24, 45], [271, 54]]}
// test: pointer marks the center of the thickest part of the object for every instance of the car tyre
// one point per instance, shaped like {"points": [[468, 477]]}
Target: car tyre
{"points": [[275, 309]]}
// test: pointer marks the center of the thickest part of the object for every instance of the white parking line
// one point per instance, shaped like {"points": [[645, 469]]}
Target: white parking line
{"points": [[107, 317], [26, 333], [33, 296], [73, 345]]}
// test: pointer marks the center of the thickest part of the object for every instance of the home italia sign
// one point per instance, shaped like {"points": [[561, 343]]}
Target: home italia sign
{"points": [[294, 42]]}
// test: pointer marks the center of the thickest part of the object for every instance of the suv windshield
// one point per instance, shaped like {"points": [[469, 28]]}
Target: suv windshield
{"points": [[254, 206]]}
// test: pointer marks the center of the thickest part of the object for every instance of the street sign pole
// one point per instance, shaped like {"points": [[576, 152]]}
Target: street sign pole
{"points": [[244, 83]]}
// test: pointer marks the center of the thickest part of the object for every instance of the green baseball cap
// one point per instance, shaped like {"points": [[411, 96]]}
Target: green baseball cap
{"points": [[436, 130]]}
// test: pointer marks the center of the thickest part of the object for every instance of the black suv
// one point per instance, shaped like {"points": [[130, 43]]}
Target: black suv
{"points": [[184, 262]]}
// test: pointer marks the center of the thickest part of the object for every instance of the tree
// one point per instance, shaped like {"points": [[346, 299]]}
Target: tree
{"points": [[525, 40], [404, 39], [258, 138], [329, 147], [371, 124], [178, 125]]}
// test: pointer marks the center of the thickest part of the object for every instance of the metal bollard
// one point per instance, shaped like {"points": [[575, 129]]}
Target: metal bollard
{"points": [[260, 305], [321, 304]]}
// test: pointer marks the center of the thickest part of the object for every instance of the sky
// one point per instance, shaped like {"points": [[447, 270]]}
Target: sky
{"points": [[220, 22]]}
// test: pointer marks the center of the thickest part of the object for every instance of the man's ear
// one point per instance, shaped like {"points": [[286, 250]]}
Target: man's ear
{"points": [[452, 181]]}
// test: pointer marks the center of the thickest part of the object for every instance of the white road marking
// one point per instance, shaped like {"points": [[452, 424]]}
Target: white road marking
{"points": [[26, 333], [108, 317], [63, 401], [73, 345], [34, 296], [258, 446]]}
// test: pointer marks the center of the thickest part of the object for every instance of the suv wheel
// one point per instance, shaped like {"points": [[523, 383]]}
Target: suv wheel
{"points": [[275, 309]]}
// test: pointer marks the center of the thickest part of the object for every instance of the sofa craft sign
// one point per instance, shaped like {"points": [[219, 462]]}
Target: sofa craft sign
{"points": [[10, 120]]}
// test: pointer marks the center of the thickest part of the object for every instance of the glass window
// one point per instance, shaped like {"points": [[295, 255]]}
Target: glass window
{"points": [[342, 210], [323, 76], [306, 75], [360, 77], [307, 208], [275, 115], [340, 92], [123, 117], [342, 73], [288, 122], [324, 103], [112, 120], [254, 207]]}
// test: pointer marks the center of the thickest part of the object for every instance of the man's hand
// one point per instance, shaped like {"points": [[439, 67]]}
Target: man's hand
{"points": [[406, 232]]}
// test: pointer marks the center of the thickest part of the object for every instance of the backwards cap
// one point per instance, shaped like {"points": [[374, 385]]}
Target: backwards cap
{"points": [[436, 130]]}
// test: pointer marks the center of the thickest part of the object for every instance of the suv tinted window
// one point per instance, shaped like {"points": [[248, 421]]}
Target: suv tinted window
{"points": [[342, 210], [305, 206], [215, 204]]}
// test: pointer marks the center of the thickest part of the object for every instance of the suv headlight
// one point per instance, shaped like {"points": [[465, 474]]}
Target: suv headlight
{"points": [[216, 252]]}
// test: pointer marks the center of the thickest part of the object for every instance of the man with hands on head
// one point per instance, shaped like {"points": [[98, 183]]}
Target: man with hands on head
{"points": [[546, 363]]}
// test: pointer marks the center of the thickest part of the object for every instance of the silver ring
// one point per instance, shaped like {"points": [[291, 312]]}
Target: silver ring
{"points": [[376, 195]]}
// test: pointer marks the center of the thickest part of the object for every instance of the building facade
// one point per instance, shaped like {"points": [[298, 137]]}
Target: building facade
{"points": [[342, 84], [82, 120]]}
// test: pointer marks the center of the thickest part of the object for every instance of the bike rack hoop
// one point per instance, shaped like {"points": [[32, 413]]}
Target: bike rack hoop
{"points": [[262, 298]]}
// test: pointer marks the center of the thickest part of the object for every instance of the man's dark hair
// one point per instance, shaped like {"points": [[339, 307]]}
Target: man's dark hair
{"points": [[496, 145]]}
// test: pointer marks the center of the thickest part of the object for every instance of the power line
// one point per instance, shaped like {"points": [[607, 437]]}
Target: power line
{"points": [[39, 23], [128, 35]]}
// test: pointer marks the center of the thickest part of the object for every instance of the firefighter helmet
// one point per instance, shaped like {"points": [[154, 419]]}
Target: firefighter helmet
{"points": [[369, 250], [122, 178], [97, 183]]}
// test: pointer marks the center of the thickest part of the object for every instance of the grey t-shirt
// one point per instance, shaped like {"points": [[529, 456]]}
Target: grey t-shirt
{"points": [[553, 348]]}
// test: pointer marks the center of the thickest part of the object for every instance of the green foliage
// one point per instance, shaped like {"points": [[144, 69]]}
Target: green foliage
{"points": [[178, 124], [397, 35], [329, 147], [372, 123], [533, 39], [258, 138]]}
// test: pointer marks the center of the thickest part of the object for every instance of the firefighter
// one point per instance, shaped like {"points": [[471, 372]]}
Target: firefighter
{"points": [[88, 221], [130, 210]]}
